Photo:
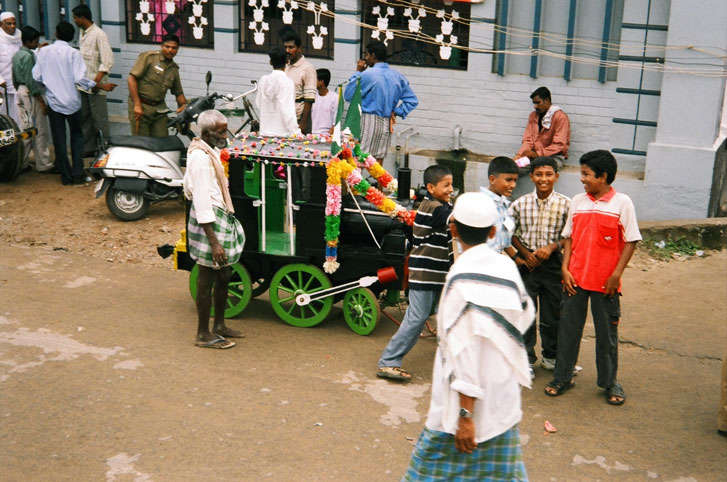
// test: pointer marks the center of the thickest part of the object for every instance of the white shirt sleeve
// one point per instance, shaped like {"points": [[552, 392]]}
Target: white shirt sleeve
{"points": [[568, 228], [628, 221], [199, 170]]}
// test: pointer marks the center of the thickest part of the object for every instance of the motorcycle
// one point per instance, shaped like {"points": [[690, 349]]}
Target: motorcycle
{"points": [[135, 171]]}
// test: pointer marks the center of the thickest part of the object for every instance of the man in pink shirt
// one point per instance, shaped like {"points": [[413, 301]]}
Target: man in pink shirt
{"points": [[548, 129]]}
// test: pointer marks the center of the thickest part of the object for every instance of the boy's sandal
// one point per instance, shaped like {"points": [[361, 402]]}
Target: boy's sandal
{"points": [[558, 388], [615, 395], [393, 373]]}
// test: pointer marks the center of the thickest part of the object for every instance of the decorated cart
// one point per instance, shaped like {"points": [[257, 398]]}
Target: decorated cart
{"points": [[319, 228]]}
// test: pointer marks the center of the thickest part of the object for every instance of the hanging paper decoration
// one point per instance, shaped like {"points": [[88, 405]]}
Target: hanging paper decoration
{"points": [[287, 7], [144, 18], [323, 31], [257, 24], [382, 24], [415, 23], [445, 48], [197, 20]]}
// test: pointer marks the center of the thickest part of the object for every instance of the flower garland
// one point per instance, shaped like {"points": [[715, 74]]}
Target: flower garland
{"points": [[346, 168], [225, 160]]}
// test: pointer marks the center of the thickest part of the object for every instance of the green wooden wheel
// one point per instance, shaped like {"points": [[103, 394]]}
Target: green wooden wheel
{"points": [[239, 290], [361, 310], [296, 279]]}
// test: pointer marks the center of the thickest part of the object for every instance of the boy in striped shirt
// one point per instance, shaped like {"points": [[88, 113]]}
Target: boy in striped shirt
{"points": [[428, 266]]}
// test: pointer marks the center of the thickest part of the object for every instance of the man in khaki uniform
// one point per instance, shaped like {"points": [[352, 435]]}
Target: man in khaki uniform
{"points": [[152, 75]]}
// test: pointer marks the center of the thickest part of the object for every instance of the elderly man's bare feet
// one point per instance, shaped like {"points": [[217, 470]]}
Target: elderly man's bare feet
{"points": [[227, 332]]}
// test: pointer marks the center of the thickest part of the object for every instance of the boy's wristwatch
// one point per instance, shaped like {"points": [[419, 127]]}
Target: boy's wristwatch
{"points": [[464, 413]]}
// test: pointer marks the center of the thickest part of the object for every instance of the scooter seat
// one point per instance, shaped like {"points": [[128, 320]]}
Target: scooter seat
{"points": [[155, 144]]}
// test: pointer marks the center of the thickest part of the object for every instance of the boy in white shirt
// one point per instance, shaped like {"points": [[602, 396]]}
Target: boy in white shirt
{"points": [[326, 105], [276, 99]]}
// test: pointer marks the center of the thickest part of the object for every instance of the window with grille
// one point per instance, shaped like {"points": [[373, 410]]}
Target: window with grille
{"points": [[147, 21], [264, 22], [427, 34], [575, 39]]}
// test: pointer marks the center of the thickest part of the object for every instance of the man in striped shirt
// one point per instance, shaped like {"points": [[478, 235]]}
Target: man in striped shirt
{"points": [[428, 267], [539, 220]]}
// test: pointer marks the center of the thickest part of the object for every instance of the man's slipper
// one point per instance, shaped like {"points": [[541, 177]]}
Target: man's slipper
{"points": [[393, 373], [615, 393], [218, 343], [228, 333], [559, 388]]}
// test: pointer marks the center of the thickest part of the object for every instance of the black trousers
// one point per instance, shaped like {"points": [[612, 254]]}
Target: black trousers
{"points": [[546, 289], [606, 312], [57, 123]]}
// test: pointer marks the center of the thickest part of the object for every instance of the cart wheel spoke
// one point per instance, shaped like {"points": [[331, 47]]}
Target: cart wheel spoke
{"points": [[291, 282], [289, 298], [286, 289]]}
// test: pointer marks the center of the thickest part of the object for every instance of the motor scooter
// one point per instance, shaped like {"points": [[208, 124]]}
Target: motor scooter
{"points": [[135, 171]]}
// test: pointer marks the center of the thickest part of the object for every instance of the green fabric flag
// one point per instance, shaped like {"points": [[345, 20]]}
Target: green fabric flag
{"points": [[353, 116], [336, 139]]}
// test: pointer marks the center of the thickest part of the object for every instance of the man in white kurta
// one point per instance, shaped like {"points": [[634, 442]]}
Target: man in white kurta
{"points": [[471, 430], [276, 99], [10, 43]]}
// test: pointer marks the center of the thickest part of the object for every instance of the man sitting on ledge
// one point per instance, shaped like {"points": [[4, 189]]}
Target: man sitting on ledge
{"points": [[548, 129]]}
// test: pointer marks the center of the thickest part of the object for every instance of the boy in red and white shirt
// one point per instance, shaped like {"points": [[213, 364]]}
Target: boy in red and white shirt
{"points": [[600, 236]]}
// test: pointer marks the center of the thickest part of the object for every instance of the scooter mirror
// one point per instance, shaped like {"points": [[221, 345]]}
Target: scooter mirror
{"points": [[208, 78]]}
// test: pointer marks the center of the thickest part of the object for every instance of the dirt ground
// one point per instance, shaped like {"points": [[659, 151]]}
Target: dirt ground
{"points": [[99, 378]]}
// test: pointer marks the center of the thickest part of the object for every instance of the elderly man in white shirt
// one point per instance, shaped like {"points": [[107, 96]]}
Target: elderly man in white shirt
{"points": [[471, 430], [60, 68], [215, 236], [276, 99], [99, 58], [10, 43]]}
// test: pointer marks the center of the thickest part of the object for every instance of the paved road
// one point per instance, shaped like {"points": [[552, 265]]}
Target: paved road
{"points": [[100, 380]]}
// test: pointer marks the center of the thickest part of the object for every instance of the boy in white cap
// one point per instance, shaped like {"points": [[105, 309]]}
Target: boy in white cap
{"points": [[471, 430], [10, 42]]}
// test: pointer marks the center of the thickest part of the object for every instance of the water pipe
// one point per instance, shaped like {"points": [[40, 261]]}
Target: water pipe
{"points": [[457, 137]]}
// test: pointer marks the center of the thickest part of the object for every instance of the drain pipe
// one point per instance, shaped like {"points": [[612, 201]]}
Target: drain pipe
{"points": [[457, 137], [397, 162]]}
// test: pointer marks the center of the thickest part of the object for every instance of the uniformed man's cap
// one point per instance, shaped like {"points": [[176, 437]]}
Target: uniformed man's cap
{"points": [[475, 209]]}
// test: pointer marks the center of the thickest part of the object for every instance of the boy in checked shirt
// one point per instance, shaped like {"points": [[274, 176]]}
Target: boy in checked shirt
{"points": [[539, 220]]}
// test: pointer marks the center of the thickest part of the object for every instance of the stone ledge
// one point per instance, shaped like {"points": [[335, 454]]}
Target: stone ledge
{"points": [[709, 233]]}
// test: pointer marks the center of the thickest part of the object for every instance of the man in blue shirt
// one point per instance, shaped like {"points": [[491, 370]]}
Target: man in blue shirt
{"points": [[60, 68], [385, 93]]}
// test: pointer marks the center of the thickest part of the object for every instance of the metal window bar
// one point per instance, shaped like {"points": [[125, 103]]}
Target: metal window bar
{"points": [[502, 36], [568, 65], [536, 38], [607, 18]]}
